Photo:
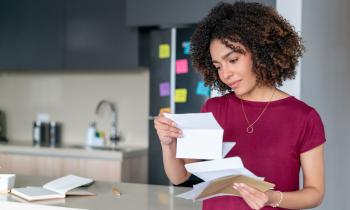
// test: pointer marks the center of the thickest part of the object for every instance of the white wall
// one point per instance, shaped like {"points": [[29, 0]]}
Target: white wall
{"points": [[292, 11], [72, 98], [325, 85]]}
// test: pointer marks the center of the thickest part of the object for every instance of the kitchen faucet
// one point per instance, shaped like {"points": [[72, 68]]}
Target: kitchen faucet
{"points": [[113, 133]]}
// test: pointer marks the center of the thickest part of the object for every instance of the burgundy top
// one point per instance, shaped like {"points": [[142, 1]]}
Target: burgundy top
{"points": [[286, 129]]}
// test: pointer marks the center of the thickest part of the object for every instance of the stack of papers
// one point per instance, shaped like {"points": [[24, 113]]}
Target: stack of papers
{"points": [[203, 139]]}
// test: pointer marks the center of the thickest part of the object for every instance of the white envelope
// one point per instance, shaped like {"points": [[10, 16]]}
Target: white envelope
{"points": [[202, 136]]}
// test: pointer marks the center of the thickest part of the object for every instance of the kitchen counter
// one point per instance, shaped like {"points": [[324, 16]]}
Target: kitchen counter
{"points": [[72, 151], [124, 164], [133, 196]]}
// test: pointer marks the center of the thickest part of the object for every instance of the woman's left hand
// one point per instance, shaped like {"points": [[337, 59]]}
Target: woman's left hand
{"points": [[252, 196]]}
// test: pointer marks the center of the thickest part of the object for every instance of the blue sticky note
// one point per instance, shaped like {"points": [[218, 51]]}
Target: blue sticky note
{"points": [[202, 90], [186, 47]]}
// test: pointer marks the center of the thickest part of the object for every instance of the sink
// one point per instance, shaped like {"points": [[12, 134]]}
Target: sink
{"points": [[93, 148]]}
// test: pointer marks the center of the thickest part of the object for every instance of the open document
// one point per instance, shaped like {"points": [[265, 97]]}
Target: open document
{"points": [[203, 139], [219, 176], [202, 136], [58, 188]]}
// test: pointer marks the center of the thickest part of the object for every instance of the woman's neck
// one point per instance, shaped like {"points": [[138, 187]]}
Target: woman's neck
{"points": [[263, 94]]}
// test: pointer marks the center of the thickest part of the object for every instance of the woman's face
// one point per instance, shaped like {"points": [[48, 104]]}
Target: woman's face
{"points": [[234, 69]]}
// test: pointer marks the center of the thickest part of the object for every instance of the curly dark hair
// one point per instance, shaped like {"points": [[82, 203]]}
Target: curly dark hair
{"points": [[272, 41]]}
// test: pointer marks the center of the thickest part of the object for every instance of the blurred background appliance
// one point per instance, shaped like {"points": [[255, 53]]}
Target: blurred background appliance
{"points": [[55, 134], [47, 134], [2, 127]]}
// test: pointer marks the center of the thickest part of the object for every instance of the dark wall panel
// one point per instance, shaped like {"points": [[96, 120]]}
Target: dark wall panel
{"points": [[31, 34], [168, 12], [97, 35]]}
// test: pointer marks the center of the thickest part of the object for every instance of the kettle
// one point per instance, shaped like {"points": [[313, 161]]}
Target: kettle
{"points": [[2, 127]]}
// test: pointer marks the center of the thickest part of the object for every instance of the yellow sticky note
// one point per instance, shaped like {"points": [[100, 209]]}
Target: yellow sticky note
{"points": [[165, 109], [164, 51], [181, 95]]}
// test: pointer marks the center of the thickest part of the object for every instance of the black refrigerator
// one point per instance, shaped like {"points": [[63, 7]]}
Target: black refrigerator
{"points": [[175, 86]]}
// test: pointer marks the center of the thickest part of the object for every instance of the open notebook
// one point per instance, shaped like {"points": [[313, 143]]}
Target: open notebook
{"points": [[57, 188]]}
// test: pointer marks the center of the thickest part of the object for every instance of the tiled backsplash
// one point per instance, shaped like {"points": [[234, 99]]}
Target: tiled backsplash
{"points": [[71, 99]]}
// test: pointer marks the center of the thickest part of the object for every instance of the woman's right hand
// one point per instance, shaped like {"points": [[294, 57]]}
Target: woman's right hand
{"points": [[166, 130]]}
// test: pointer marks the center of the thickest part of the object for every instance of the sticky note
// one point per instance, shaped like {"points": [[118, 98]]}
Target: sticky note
{"points": [[202, 89], [164, 51], [165, 109], [186, 47], [181, 95], [164, 89], [181, 66]]}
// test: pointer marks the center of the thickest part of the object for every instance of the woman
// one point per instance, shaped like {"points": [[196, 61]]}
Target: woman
{"points": [[247, 50]]}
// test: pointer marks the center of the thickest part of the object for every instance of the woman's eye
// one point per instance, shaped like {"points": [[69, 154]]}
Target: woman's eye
{"points": [[233, 60]]}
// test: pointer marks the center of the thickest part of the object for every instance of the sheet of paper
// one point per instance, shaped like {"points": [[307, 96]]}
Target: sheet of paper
{"points": [[200, 144], [226, 147], [196, 190], [215, 165], [195, 121], [202, 136], [210, 170], [26, 206]]}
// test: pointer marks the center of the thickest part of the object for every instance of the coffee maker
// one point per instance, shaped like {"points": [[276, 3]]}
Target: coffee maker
{"points": [[2, 127]]}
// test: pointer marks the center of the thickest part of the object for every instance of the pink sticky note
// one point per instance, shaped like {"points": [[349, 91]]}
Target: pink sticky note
{"points": [[182, 66], [164, 89]]}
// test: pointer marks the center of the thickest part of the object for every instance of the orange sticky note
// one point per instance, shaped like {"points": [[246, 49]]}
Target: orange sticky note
{"points": [[181, 95], [165, 109], [182, 66], [164, 51]]}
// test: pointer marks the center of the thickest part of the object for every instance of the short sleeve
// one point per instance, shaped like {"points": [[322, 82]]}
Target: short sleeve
{"points": [[205, 107], [314, 134]]}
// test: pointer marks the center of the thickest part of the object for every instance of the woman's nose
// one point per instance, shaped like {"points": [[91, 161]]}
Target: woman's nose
{"points": [[226, 73]]}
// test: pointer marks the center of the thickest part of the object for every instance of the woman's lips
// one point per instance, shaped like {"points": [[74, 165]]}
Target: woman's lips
{"points": [[235, 84]]}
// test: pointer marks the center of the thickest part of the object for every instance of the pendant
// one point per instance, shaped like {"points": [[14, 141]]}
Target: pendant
{"points": [[250, 129]]}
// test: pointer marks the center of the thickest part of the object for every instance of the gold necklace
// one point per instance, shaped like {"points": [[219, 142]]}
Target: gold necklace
{"points": [[250, 128]]}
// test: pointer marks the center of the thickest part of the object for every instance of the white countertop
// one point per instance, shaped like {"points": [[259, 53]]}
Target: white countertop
{"points": [[133, 196]]}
